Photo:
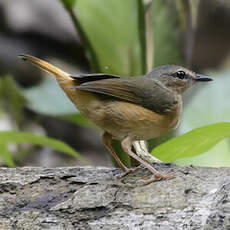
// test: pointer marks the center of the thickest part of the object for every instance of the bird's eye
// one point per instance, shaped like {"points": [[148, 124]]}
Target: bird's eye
{"points": [[180, 74]]}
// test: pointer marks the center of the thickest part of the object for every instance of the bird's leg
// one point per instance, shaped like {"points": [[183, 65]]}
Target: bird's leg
{"points": [[127, 147], [106, 139], [143, 153]]}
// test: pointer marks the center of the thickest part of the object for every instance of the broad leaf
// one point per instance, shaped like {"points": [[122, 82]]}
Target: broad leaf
{"points": [[113, 33], [218, 156], [26, 137], [192, 143]]}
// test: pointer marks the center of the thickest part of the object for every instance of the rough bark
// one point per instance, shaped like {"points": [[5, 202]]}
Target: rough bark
{"points": [[94, 198]]}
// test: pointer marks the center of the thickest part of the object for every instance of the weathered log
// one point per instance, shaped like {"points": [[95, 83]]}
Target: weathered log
{"points": [[95, 198]]}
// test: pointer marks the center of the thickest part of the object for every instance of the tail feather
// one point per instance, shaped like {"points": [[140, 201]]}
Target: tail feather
{"points": [[58, 73]]}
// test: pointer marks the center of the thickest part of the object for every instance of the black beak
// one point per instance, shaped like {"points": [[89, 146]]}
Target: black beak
{"points": [[200, 77]]}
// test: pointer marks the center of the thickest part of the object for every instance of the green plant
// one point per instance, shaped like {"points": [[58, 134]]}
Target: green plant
{"points": [[11, 107], [19, 137], [194, 143]]}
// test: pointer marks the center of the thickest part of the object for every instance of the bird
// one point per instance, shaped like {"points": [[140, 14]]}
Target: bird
{"points": [[128, 108]]}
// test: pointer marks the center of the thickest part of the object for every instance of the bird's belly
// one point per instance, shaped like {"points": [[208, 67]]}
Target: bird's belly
{"points": [[124, 119], [146, 130]]}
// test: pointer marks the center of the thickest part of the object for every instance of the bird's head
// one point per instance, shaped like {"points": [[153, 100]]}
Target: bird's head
{"points": [[176, 78]]}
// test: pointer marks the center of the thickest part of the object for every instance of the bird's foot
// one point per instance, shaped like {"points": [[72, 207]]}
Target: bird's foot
{"points": [[158, 177], [129, 171]]}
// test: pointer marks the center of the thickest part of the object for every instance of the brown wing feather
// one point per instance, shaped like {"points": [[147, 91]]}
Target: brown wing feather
{"points": [[111, 88], [139, 90]]}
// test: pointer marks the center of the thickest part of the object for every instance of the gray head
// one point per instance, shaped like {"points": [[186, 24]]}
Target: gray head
{"points": [[176, 77]]}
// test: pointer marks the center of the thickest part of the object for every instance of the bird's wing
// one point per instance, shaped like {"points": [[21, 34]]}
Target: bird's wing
{"points": [[138, 90], [82, 78]]}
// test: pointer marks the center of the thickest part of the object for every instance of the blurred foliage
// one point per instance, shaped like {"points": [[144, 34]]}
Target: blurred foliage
{"points": [[166, 28], [80, 120], [6, 155], [12, 106], [20, 137], [13, 100], [47, 98], [114, 34]]}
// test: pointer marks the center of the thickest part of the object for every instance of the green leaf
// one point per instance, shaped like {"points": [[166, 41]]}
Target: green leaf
{"points": [[26, 137], [218, 156], [68, 3], [5, 154], [192, 143], [113, 33]]}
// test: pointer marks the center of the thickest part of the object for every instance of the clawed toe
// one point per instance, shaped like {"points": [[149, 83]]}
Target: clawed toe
{"points": [[158, 177], [129, 171]]}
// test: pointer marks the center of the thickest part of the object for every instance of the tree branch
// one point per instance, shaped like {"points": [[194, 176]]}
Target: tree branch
{"points": [[94, 198]]}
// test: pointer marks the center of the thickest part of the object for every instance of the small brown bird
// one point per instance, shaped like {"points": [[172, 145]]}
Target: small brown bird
{"points": [[128, 108]]}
